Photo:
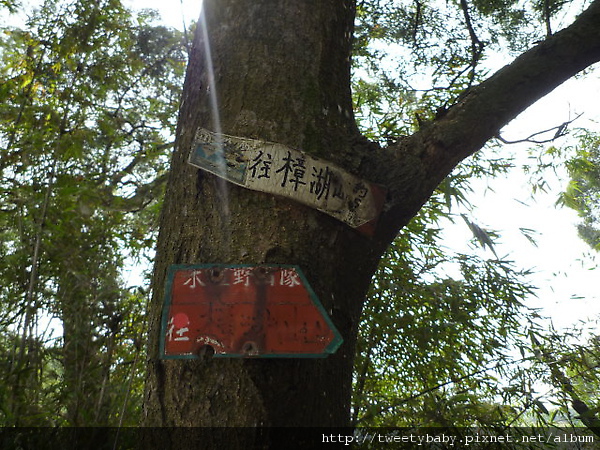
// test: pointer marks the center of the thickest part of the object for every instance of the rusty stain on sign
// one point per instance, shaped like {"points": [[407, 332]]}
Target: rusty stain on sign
{"points": [[280, 170], [243, 311]]}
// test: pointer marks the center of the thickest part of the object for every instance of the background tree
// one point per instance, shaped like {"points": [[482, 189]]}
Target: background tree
{"points": [[242, 54], [583, 192], [88, 94]]}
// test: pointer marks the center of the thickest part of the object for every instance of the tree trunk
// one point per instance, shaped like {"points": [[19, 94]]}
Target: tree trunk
{"points": [[280, 72], [269, 87], [80, 357], [84, 357]]}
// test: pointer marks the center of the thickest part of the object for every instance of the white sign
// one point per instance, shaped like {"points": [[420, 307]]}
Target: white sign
{"points": [[280, 170]]}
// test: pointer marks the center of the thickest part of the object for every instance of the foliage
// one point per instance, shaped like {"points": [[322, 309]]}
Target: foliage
{"points": [[412, 59], [10, 5], [583, 192], [436, 346], [88, 94], [445, 339], [571, 367]]}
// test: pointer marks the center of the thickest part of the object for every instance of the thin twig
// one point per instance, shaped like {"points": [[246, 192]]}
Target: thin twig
{"points": [[547, 18], [419, 394], [29, 298], [476, 44], [129, 382], [188, 47], [417, 21], [561, 130]]}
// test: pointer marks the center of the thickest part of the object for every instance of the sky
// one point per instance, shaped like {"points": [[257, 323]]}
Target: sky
{"points": [[174, 13], [564, 267]]}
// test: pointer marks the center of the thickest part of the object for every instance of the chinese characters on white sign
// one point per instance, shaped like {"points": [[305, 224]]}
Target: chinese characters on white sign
{"points": [[280, 170]]}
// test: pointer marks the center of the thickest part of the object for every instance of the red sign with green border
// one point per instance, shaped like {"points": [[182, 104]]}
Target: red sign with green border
{"points": [[243, 311]]}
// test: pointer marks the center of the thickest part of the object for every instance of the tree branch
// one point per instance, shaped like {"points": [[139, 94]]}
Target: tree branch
{"points": [[415, 165], [400, 401], [417, 23], [586, 415], [561, 130], [547, 16], [144, 194], [476, 44]]}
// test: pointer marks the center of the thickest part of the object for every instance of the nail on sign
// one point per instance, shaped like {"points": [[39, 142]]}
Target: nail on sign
{"points": [[280, 170], [243, 311]]}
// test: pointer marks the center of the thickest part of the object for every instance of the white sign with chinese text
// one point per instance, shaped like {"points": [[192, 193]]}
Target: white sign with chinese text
{"points": [[280, 170]]}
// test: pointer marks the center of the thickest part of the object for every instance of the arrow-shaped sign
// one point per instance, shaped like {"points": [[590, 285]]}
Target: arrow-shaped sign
{"points": [[243, 311]]}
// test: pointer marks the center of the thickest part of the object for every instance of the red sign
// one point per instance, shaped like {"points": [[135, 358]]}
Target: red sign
{"points": [[243, 311]]}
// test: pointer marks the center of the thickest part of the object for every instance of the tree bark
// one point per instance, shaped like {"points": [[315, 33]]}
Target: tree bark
{"points": [[280, 71], [283, 75]]}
